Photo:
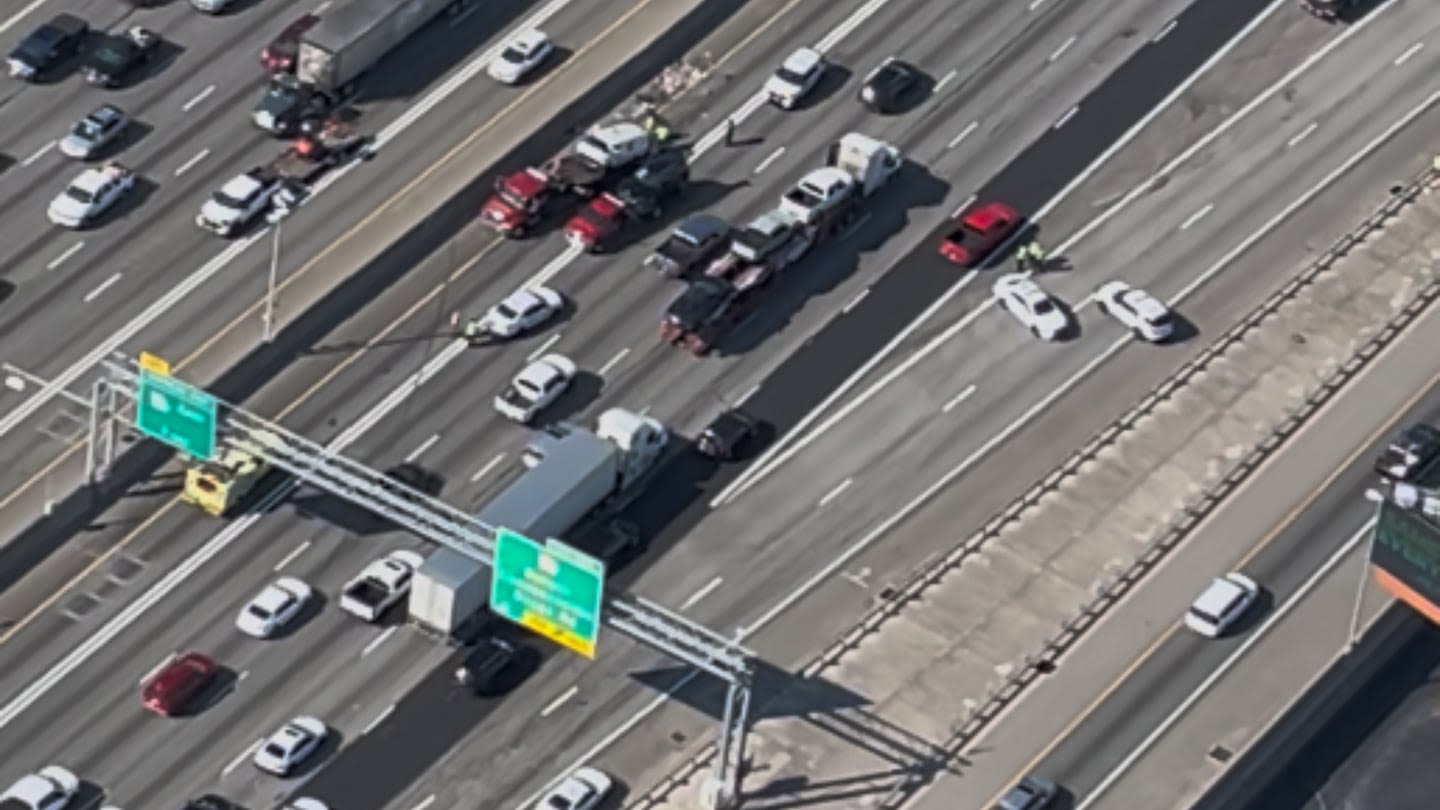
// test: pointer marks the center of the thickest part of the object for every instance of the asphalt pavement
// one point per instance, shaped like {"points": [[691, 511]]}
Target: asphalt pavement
{"points": [[136, 275], [338, 552]]}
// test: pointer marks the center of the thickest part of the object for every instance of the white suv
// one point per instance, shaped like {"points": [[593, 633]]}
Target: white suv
{"points": [[1222, 604], [797, 76], [51, 788], [238, 202]]}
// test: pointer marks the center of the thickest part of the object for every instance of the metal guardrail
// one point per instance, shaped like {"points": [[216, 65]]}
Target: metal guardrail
{"points": [[1108, 592]]}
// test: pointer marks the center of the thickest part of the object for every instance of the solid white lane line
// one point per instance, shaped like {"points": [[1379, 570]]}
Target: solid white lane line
{"points": [[379, 718], [1197, 216], [835, 493], [702, 593], [38, 153], [550, 341], [63, 257], [1228, 664], [964, 133], [1065, 119], [192, 162], [1409, 52], [103, 286], [489, 465], [1035, 4], [1164, 32], [613, 362], [376, 642], [1302, 135], [554, 705], [745, 396], [1060, 51], [425, 445], [425, 802], [944, 80], [966, 203], [199, 97], [322, 8], [148, 675], [289, 558], [854, 302], [774, 156], [244, 755], [959, 398]]}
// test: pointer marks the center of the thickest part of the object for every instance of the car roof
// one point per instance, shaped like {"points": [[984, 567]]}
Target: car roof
{"points": [[65, 24], [273, 597], [522, 299], [526, 182], [612, 135], [988, 215], [702, 226], [529, 40], [240, 186], [1145, 305], [106, 112], [538, 373], [91, 179], [802, 60], [1217, 596]]}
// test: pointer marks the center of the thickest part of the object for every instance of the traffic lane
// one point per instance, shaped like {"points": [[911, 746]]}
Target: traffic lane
{"points": [[200, 615], [180, 329], [1183, 660], [1167, 248]]}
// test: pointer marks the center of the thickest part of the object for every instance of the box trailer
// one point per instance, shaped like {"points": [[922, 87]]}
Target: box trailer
{"points": [[353, 35]]}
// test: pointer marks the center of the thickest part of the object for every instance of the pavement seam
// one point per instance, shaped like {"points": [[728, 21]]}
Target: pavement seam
{"points": [[985, 712]]}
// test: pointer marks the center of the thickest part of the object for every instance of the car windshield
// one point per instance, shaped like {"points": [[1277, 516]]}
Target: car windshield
{"points": [[37, 45], [790, 76], [1204, 616], [226, 201], [276, 750], [87, 128], [259, 612], [514, 54], [111, 54], [80, 194], [504, 311], [1044, 307], [279, 94], [527, 388], [558, 802]]}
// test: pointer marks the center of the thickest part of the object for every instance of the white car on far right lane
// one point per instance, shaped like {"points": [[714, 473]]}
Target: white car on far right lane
{"points": [[292, 744], [1037, 309], [1139, 311], [536, 387], [1221, 604], [522, 311]]}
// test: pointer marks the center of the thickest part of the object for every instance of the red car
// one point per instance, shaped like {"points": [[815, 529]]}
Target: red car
{"points": [[280, 55], [595, 223], [978, 232], [171, 687]]}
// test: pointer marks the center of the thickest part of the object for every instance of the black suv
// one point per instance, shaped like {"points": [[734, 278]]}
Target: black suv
{"points": [[662, 175], [1332, 10], [212, 802], [486, 665], [288, 103], [115, 56], [45, 48], [889, 86]]}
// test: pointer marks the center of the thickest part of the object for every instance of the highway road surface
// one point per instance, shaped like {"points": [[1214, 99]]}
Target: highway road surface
{"points": [[135, 281], [334, 675]]}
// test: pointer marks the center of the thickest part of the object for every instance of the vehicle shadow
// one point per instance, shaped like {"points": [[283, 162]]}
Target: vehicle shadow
{"points": [[328, 750], [834, 80], [831, 263], [442, 44], [584, 391], [135, 132], [1185, 330], [1074, 329], [226, 681], [311, 611], [7, 163], [132, 203]]}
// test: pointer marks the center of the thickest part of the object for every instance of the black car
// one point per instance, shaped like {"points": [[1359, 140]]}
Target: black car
{"points": [[1408, 454], [1332, 10], [48, 46], [889, 86], [695, 242], [115, 56], [212, 802], [286, 104], [415, 477], [726, 437], [662, 175], [486, 665]]}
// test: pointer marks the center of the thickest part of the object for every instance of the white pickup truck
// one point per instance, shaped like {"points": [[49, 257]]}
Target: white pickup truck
{"points": [[382, 584]]}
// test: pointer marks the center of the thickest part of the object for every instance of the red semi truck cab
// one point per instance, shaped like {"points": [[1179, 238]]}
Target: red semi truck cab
{"points": [[517, 202]]}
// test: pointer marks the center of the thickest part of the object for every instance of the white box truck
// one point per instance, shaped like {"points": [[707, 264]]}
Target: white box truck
{"points": [[572, 474]]}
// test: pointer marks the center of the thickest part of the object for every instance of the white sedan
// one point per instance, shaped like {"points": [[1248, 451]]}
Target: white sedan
{"points": [[51, 788], [274, 608], [522, 311], [305, 804], [1139, 311], [581, 790], [795, 78], [91, 194], [294, 743], [1032, 305], [533, 389], [520, 55], [1221, 604]]}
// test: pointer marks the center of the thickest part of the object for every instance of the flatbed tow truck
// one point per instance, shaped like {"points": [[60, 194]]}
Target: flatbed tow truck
{"points": [[587, 168], [321, 146], [822, 206]]}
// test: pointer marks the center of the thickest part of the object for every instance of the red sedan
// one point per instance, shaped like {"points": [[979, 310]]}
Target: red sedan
{"points": [[978, 232], [177, 682]]}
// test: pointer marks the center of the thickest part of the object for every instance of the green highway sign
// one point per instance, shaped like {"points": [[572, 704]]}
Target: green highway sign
{"points": [[554, 590], [177, 414]]}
